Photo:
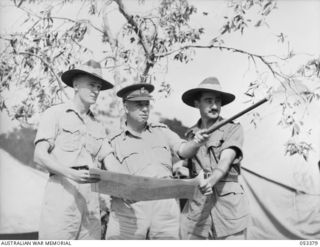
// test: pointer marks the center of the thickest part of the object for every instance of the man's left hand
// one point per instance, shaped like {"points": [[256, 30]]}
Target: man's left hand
{"points": [[204, 184]]}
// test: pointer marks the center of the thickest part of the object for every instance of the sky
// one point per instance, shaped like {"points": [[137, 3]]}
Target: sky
{"points": [[298, 20]]}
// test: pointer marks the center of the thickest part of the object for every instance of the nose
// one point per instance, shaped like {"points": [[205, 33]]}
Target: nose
{"points": [[96, 89], [145, 108], [214, 105]]}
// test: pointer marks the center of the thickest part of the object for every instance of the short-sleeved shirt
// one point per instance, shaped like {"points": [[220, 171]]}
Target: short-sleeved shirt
{"points": [[147, 154], [74, 140], [226, 210]]}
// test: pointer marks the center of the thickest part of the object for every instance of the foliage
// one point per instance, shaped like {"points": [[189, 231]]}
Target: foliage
{"points": [[176, 126], [49, 43]]}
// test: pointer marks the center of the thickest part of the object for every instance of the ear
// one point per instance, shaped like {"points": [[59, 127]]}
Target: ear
{"points": [[125, 107], [75, 85], [196, 103]]}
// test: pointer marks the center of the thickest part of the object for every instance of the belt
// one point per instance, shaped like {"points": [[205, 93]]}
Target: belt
{"points": [[227, 178], [78, 168]]}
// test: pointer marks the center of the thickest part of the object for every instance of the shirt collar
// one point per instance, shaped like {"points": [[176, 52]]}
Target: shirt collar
{"points": [[71, 107], [128, 131], [192, 130]]}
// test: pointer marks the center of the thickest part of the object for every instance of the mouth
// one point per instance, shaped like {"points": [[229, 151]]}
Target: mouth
{"points": [[213, 112]]}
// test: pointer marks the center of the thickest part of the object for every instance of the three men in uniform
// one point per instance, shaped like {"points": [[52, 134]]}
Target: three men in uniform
{"points": [[69, 141]]}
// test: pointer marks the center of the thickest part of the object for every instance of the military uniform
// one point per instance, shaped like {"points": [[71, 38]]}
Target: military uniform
{"points": [[71, 210], [225, 212], [149, 155]]}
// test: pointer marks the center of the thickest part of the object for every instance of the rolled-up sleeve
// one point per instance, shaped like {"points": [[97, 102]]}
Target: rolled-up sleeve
{"points": [[234, 139], [174, 141], [47, 129]]}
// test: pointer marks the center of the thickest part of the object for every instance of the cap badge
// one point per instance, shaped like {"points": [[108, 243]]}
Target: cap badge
{"points": [[142, 90]]}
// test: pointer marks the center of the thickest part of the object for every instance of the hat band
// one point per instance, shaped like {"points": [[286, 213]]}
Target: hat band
{"points": [[210, 87], [90, 70]]}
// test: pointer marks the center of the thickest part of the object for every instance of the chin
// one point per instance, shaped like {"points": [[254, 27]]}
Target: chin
{"points": [[143, 121], [91, 101], [213, 115]]}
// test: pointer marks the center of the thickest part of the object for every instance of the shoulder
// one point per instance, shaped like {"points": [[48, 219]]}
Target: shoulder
{"points": [[161, 128], [53, 112], [232, 129], [158, 125], [231, 126], [59, 108], [115, 134]]}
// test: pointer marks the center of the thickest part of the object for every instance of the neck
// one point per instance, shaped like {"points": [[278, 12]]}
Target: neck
{"points": [[135, 126], [206, 123], [81, 106]]}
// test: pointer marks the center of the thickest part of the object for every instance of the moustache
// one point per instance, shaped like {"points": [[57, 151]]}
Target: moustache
{"points": [[213, 111]]}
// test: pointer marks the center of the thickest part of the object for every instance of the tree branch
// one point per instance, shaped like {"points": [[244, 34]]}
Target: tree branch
{"points": [[61, 18], [252, 55], [135, 26], [50, 67]]}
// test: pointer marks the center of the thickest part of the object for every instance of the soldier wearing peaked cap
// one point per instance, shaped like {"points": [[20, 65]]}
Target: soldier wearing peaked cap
{"points": [[221, 210], [146, 149], [69, 141]]}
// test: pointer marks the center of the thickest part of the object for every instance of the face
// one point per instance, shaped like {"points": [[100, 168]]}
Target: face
{"points": [[209, 105], [138, 111], [87, 88]]}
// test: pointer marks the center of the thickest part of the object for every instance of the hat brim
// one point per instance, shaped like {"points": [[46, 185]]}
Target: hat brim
{"points": [[123, 91], [142, 98], [67, 78], [189, 96]]}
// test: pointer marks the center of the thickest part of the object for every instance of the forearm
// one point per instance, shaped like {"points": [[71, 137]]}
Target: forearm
{"points": [[216, 175], [226, 159]]}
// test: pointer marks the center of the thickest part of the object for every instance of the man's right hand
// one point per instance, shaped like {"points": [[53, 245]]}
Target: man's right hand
{"points": [[201, 137], [83, 176]]}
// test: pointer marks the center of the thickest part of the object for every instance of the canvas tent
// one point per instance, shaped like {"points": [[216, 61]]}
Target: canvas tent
{"points": [[283, 190], [21, 192]]}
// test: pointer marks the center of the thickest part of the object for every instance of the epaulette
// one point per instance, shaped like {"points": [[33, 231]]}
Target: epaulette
{"points": [[158, 125], [115, 134]]}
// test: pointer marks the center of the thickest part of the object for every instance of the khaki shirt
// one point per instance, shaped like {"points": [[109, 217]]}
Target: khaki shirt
{"points": [[148, 154], [74, 141], [225, 212]]}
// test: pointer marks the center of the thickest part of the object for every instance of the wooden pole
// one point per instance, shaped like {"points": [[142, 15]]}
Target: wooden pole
{"points": [[224, 122]]}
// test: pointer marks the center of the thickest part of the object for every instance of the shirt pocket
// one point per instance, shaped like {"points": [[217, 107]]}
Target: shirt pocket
{"points": [[231, 200], [129, 159], [199, 207], [70, 137], [94, 141], [215, 147], [163, 155]]}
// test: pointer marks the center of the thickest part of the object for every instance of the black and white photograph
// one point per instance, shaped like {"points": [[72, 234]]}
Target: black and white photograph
{"points": [[160, 120]]}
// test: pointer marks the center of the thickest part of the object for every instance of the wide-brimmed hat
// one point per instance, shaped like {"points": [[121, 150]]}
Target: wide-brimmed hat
{"points": [[91, 68], [136, 92], [210, 84]]}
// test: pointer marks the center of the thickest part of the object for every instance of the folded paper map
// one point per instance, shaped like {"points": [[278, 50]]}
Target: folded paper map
{"points": [[140, 188]]}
